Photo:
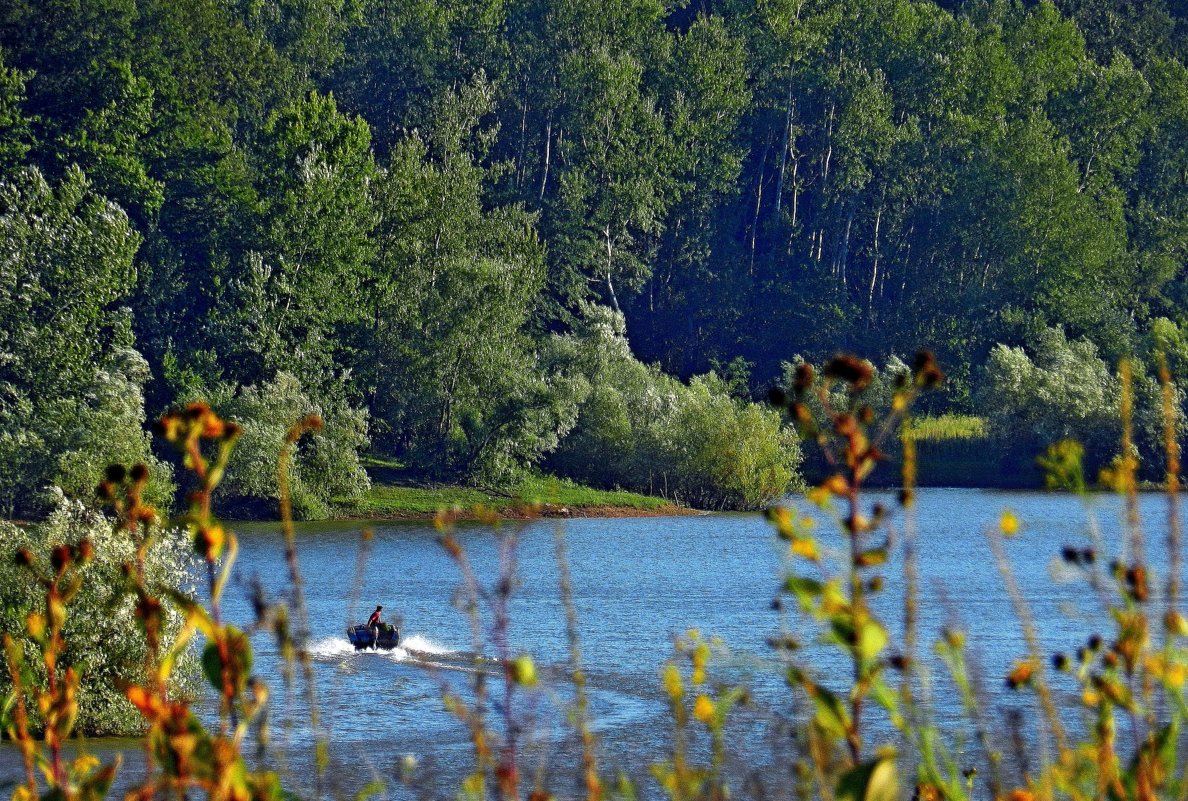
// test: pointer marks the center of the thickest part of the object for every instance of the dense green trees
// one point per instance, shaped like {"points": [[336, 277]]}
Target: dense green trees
{"points": [[398, 213], [70, 386]]}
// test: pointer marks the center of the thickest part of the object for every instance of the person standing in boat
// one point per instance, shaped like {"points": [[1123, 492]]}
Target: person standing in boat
{"points": [[373, 622]]}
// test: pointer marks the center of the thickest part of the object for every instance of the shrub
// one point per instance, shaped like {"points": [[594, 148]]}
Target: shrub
{"points": [[726, 453], [66, 442], [106, 426], [1062, 389], [642, 430], [104, 641], [325, 464]]}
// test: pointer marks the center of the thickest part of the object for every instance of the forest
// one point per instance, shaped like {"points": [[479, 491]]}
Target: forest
{"points": [[482, 238]]}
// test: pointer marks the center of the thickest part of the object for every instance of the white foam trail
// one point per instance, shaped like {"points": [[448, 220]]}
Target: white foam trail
{"points": [[330, 647], [423, 645], [412, 648]]}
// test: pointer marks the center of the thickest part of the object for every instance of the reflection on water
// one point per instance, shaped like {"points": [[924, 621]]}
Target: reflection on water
{"points": [[637, 584]]}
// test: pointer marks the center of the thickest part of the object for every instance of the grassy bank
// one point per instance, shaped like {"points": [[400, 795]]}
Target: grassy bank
{"points": [[394, 496]]}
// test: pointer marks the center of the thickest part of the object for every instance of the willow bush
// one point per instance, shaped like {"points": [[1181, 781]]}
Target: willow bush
{"points": [[645, 431], [106, 643]]}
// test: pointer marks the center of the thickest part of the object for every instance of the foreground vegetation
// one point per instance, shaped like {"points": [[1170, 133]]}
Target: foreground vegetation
{"points": [[1132, 673]]}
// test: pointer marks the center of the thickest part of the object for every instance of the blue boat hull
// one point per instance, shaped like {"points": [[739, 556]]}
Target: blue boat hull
{"points": [[385, 637]]}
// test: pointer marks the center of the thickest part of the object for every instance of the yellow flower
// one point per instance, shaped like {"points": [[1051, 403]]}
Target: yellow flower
{"points": [[807, 548], [523, 671], [472, 785], [672, 682], [1170, 673], [84, 764], [819, 496], [1020, 676], [703, 709]]}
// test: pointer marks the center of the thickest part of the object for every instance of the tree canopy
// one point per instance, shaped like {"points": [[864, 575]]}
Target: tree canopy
{"points": [[395, 209]]}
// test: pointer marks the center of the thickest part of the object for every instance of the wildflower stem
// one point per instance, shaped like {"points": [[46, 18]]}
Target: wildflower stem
{"points": [[311, 423], [581, 704], [1023, 612], [1172, 448]]}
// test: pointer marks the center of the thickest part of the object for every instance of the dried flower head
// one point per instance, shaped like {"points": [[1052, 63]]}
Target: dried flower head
{"points": [[855, 372]]}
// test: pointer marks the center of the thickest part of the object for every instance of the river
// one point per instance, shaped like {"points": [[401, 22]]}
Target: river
{"points": [[638, 584]]}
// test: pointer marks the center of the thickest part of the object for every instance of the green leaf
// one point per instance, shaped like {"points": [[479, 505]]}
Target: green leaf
{"points": [[872, 638], [372, 788], [871, 558], [876, 780], [831, 712], [805, 589], [239, 655]]}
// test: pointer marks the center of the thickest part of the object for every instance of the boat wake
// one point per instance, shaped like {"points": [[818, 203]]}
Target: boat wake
{"points": [[419, 644], [331, 648], [416, 649]]}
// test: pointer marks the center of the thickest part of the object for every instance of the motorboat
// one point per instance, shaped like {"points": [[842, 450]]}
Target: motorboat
{"points": [[383, 636]]}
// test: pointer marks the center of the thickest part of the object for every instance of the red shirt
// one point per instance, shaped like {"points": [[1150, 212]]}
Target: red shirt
{"points": [[375, 618]]}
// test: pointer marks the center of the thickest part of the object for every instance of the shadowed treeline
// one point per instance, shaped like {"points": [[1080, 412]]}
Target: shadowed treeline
{"points": [[462, 233]]}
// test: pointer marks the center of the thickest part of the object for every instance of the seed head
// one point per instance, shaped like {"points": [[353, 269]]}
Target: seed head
{"points": [[853, 371], [60, 557], [805, 376], [926, 371]]}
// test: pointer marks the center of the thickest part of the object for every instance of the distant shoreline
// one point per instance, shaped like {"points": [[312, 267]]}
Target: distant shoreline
{"points": [[535, 497], [529, 512]]}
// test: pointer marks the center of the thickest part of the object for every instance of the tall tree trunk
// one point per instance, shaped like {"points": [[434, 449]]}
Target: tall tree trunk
{"points": [[544, 173], [828, 157], [758, 203], [874, 270], [787, 145], [606, 232], [523, 145], [843, 255]]}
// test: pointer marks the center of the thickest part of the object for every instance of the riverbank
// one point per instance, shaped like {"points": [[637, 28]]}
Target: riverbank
{"points": [[537, 496]]}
